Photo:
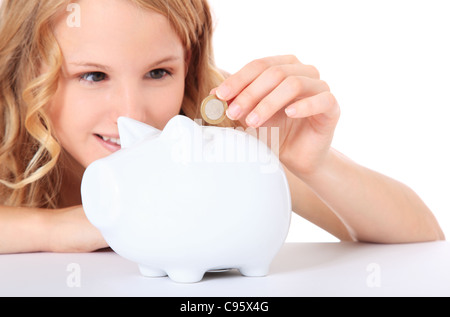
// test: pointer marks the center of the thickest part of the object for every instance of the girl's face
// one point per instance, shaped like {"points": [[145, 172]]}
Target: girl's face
{"points": [[121, 61]]}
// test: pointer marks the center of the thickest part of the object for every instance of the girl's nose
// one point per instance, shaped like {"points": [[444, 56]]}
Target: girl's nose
{"points": [[130, 103]]}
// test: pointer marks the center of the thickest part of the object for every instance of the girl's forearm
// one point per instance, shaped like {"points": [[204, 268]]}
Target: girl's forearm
{"points": [[58, 230], [22, 230], [373, 207]]}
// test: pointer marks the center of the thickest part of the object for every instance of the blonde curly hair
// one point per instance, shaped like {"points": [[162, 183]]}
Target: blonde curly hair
{"points": [[29, 153]]}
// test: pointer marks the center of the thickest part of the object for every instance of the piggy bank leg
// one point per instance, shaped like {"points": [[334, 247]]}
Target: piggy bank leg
{"points": [[256, 271], [151, 272], [186, 276]]}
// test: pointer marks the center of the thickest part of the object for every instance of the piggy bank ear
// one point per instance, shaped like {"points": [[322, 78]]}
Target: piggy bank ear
{"points": [[132, 131], [180, 127]]}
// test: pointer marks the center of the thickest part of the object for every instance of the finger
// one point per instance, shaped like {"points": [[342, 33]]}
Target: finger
{"points": [[289, 91], [234, 84], [324, 104], [213, 91], [262, 86]]}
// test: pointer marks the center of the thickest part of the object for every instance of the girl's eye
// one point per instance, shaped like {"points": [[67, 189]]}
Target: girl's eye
{"points": [[93, 76], [157, 73]]}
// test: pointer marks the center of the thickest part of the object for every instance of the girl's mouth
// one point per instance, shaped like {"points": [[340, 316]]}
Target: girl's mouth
{"points": [[110, 143]]}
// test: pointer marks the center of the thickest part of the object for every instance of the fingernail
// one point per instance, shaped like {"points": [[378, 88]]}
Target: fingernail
{"points": [[234, 111], [290, 111], [223, 92], [252, 119]]}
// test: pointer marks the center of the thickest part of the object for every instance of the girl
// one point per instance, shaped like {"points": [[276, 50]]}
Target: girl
{"points": [[69, 70]]}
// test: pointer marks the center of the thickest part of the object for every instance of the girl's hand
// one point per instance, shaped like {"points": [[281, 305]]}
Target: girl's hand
{"points": [[70, 231], [282, 92]]}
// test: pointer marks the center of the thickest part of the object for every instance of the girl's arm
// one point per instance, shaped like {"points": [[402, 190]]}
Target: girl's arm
{"points": [[21, 230], [344, 198], [34, 230], [356, 203]]}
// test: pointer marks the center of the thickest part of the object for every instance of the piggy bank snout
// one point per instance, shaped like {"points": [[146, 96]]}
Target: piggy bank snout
{"points": [[99, 193]]}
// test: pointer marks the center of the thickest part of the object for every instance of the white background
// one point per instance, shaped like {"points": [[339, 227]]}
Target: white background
{"points": [[388, 64]]}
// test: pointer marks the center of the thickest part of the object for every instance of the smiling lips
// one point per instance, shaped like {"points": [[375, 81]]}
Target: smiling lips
{"points": [[110, 143]]}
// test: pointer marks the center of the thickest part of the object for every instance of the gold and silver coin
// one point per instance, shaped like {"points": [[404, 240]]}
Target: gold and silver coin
{"points": [[213, 110]]}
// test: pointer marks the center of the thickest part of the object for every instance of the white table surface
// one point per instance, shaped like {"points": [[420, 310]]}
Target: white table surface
{"points": [[299, 269]]}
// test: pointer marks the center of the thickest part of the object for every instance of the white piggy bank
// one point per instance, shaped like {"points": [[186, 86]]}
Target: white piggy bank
{"points": [[189, 199]]}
